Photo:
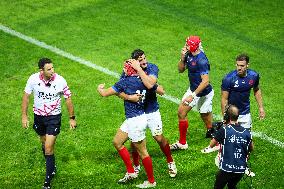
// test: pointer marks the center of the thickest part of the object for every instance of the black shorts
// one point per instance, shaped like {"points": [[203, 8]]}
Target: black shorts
{"points": [[47, 124]]}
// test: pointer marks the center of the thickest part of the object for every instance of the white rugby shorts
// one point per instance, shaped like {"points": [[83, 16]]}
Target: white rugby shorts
{"points": [[245, 121], [135, 127], [154, 123], [201, 104]]}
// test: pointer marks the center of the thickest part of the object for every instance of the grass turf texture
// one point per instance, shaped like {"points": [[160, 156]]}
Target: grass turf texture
{"points": [[105, 32]]}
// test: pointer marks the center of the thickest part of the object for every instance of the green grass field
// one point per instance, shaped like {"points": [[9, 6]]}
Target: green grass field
{"points": [[105, 33]]}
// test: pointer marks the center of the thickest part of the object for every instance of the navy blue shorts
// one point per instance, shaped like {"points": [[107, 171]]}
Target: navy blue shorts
{"points": [[47, 124], [227, 178]]}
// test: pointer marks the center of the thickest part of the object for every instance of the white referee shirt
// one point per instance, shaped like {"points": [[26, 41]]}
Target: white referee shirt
{"points": [[47, 94]]}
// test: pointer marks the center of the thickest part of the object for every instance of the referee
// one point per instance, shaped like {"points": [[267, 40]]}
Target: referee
{"points": [[47, 88]]}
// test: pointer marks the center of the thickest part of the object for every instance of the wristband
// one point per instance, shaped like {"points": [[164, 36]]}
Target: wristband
{"points": [[72, 117]]}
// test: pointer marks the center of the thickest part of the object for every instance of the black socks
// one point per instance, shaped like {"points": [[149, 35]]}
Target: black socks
{"points": [[50, 167]]}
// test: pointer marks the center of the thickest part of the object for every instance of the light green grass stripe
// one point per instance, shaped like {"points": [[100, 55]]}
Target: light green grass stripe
{"points": [[109, 72], [70, 56], [58, 51]]}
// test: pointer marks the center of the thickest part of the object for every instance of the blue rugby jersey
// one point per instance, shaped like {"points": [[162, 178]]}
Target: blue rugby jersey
{"points": [[197, 65], [235, 142], [239, 89], [132, 85], [152, 69], [151, 102]]}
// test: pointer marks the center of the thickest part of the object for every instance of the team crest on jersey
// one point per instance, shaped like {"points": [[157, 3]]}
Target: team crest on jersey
{"points": [[236, 84], [193, 63], [251, 82]]}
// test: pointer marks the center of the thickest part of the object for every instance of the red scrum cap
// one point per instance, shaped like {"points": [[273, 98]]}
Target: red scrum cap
{"points": [[193, 43], [128, 69]]}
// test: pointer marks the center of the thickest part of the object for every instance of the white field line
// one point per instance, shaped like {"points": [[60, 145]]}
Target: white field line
{"points": [[107, 71], [268, 138]]}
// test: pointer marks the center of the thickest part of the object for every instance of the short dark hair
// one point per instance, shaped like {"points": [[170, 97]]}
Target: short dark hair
{"points": [[243, 57], [43, 61], [233, 113], [137, 53]]}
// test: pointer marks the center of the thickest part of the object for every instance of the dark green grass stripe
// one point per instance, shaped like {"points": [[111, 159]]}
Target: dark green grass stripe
{"points": [[190, 16]]}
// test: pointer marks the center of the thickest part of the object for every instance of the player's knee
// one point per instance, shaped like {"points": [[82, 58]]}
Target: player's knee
{"points": [[160, 139], [142, 150], [182, 114], [48, 150], [143, 154], [117, 144]]}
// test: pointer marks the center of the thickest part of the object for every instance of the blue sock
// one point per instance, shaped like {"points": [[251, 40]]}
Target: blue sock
{"points": [[50, 166]]}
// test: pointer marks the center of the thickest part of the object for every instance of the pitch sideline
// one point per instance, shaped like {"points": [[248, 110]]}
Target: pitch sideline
{"points": [[107, 71]]}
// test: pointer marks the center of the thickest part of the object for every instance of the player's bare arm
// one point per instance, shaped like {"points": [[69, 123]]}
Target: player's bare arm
{"points": [[132, 98], [160, 90], [148, 80], [258, 97], [137, 97], [213, 142], [224, 100], [105, 92], [204, 83], [25, 104], [70, 109], [181, 64]]}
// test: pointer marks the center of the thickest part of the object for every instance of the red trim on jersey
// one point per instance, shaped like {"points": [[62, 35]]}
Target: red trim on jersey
{"points": [[45, 112], [46, 82], [66, 92]]}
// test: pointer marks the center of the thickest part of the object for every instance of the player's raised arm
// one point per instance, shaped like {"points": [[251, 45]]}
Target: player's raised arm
{"points": [[181, 63], [148, 80], [141, 65], [105, 92]]}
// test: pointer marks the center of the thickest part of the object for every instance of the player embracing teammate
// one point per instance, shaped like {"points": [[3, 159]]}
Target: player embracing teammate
{"points": [[147, 73], [134, 127]]}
